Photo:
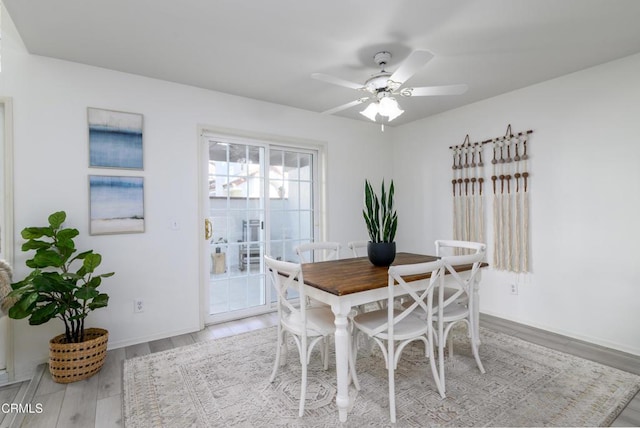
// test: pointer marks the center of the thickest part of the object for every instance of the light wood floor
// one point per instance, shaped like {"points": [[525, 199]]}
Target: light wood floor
{"points": [[97, 402]]}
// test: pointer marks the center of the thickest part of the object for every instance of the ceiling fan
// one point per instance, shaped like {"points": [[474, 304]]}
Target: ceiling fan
{"points": [[382, 87]]}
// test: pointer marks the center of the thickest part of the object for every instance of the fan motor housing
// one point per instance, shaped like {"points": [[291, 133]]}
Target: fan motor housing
{"points": [[378, 82]]}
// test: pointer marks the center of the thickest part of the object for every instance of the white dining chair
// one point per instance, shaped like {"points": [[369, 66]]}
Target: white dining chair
{"points": [[459, 304], [318, 251], [358, 248], [311, 252], [393, 328], [309, 326]]}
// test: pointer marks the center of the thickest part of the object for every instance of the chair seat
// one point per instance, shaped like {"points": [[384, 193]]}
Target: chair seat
{"points": [[453, 312], [410, 326], [320, 322], [448, 292]]}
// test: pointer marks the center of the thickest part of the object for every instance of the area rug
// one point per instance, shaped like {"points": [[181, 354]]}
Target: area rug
{"points": [[225, 383]]}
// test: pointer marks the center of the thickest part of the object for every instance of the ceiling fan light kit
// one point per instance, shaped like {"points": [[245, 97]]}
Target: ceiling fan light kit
{"points": [[383, 86], [371, 111], [387, 106]]}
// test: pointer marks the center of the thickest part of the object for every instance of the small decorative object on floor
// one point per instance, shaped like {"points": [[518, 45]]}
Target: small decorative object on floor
{"points": [[56, 289], [382, 222]]}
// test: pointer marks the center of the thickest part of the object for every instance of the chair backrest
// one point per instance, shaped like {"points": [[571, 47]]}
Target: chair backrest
{"points": [[285, 277], [448, 247], [410, 281], [357, 248], [474, 260], [318, 251]]}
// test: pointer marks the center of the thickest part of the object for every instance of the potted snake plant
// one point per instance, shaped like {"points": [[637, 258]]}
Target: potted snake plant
{"points": [[381, 219], [63, 284]]}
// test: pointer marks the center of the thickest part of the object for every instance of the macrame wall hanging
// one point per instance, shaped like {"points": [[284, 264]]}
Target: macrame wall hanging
{"points": [[510, 198], [468, 208]]}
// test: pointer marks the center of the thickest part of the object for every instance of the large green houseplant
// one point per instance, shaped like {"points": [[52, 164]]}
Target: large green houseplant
{"points": [[62, 284], [381, 219]]}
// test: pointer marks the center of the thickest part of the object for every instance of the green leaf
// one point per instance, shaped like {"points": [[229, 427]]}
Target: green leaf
{"points": [[43, 314], [64, 234], [48, 258], [91, 261], [56, 282], [94, 282], [26, 303], [56, 219], [85, 293], [33, 244], [18, 313], [36, 232], [100, 301]]}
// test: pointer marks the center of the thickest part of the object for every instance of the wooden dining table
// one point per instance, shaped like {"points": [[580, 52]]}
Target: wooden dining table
{"points": [[344, 284]]}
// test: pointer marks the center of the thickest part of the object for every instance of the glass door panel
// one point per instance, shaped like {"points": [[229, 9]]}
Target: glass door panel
{"points": [[237, 214], [292, 200]]}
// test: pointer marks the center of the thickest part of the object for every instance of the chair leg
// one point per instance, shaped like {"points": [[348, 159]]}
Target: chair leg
{"points": [[434, 369], [441, 344], [476, 354], [353, 353], [326, 352], [278, 352], [303, 385], [392, 392]]}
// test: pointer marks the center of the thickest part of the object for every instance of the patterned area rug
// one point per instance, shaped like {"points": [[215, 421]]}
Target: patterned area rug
{"points": [[225, 382]]}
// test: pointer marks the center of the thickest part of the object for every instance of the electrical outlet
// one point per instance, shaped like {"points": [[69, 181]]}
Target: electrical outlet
{"points": [[514, 289], [138, 305]]}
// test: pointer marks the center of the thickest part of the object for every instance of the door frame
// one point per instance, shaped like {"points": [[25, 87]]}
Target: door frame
{"points": [[7, 237], [268, 141]]}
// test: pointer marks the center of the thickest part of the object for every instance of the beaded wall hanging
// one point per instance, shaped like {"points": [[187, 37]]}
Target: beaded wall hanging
{"points": [[510, 181]]}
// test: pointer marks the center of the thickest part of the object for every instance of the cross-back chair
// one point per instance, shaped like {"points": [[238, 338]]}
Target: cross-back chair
{"points": [[309, 326], [460, 303], [358, 248], [393, 327], [318, 251]]}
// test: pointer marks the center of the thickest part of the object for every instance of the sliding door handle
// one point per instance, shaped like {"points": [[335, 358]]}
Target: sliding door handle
{"points": [[208, 229]]}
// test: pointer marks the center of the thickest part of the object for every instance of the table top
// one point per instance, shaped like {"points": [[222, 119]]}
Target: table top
{"points": [[346, 276]]}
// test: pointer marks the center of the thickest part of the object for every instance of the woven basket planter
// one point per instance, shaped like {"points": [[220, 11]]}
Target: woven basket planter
{"points": [[71, 362]]}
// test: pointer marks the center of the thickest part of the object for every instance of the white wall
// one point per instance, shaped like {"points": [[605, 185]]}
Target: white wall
{"points": [[585, 199], [161, 265]]}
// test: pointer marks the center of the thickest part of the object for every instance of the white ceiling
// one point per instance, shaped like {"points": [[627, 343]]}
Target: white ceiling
{"points": [[267, 50]]}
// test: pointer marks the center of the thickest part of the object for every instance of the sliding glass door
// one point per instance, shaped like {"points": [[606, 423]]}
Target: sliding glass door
{"points": [[261, 199]]}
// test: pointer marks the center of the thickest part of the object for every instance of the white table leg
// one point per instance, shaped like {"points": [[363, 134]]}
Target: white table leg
{"points": [[342, 341]]}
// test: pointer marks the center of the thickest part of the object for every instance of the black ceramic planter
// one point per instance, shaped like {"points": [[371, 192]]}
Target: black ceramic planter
{"points": [[381, 253]]}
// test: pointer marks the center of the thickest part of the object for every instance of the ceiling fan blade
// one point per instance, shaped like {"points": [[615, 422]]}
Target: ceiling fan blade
{"points": [[414, 62], [336, 81], [426, 91], [345, 106]]}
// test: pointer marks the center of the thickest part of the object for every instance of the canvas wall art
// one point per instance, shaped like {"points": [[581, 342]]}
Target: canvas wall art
{"points": [[115, 139], [116, 204]]}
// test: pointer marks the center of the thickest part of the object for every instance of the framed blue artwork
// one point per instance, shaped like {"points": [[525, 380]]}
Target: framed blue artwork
{"points": [[116, 204], [115, 139]]}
